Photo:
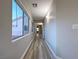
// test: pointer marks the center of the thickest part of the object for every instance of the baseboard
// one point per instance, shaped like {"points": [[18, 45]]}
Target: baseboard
{"points": [[57, 57], [26, 49]]}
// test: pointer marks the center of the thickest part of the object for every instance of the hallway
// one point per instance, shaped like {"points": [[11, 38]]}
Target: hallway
{"points": [[38, 50], [55, 21]]}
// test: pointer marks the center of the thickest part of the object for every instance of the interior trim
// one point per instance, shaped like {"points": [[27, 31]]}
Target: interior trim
{"points": [[22, 57], [57, 57], [21, 37]]}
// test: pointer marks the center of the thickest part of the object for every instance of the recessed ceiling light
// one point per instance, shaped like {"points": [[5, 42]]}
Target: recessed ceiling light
{"points": [[34, 4]]}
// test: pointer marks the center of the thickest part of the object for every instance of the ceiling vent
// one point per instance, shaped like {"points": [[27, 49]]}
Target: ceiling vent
{"points": [[34, 5]]}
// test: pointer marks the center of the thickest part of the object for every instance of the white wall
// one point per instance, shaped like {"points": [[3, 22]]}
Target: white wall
{"points": [[50, 27], [66, 16], [9, 49], [59, 32]]}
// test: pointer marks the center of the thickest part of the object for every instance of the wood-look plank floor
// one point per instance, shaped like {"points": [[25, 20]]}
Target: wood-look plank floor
{"points": [[37, 50]]}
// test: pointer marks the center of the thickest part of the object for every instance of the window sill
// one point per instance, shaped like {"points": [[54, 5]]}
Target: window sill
{"points": [[21, 37]]}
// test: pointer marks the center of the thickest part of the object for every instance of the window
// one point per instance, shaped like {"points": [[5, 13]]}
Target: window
{"points": [[20, 21], [26, 26]]}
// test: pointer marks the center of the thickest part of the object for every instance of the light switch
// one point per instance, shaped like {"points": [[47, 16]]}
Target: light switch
{"points": [[75, 26]]}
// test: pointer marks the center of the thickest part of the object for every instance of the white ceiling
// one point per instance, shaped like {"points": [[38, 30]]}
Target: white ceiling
{"points": [[40, 11]]}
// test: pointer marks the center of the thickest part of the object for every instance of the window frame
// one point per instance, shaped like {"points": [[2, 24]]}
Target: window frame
{"points": [[23, 21], [24, 12]]}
